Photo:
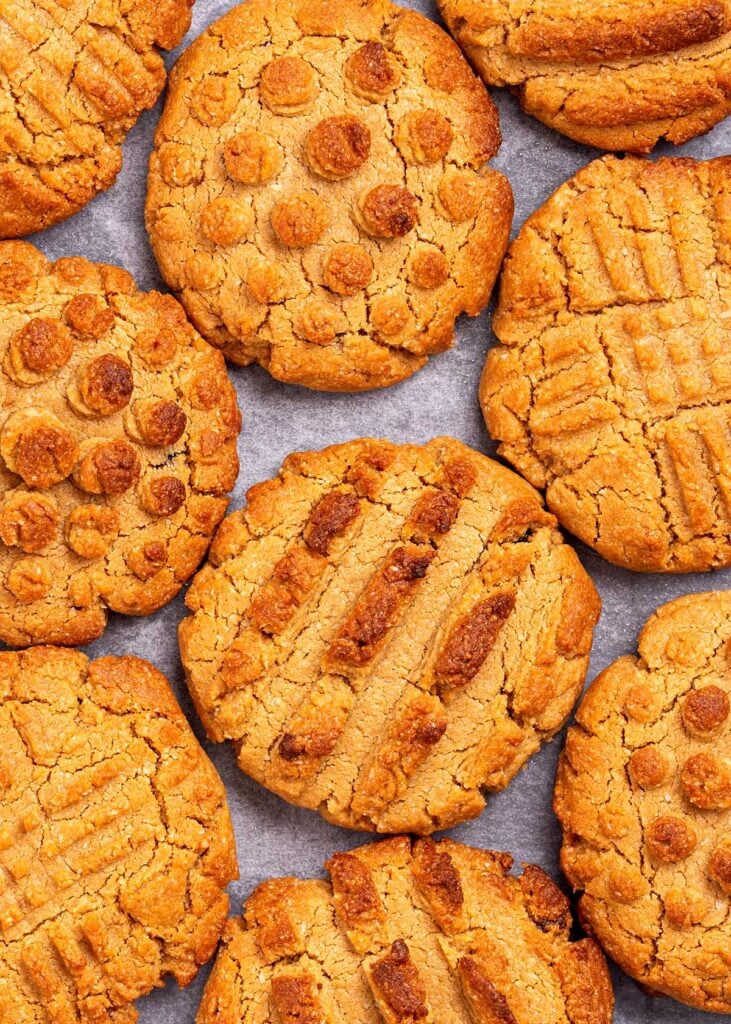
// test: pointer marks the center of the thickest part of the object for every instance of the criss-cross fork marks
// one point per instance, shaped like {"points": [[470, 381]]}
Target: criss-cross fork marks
{"points": [[429, 933], [366, 633]]}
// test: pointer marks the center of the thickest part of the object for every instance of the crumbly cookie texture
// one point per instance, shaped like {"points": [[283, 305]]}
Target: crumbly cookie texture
{"points": [[74, 77], [644, 794], [115, 839], [406, 933], [612, 386], [385, 631], [617, 74], [118, 429], [319, 196]]}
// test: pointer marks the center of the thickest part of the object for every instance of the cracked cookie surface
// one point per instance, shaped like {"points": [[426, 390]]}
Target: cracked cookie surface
{"points": [[115, 839], [617, 74], [318, 194], [406, 933], [612, 386], [366, 632], [644, 792], [74, 77], [118, 429]]}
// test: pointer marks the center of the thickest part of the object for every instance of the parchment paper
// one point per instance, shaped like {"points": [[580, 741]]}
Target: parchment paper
{"points": [[272, 837]]}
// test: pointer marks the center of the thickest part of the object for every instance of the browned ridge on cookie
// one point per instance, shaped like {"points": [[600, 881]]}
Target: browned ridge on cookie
{"points": [[644, 796], [115, 839], [612, 386], [74, 77], [118, 429], [386, 630], [404, 934], [617, 74], [319, 194]]}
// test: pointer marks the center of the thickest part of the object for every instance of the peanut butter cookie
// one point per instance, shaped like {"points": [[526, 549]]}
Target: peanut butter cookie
{"points": [[118, 429], [74, 77], [385, 631], [644, 797], [404, 934], [115, 839], [612, 388], [617, 74], [319, 195]]}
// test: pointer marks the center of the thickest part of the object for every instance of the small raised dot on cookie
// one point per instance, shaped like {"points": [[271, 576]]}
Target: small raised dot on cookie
{"points": [[163, 495], [704, 711], [203, 271], [719, 865], [38, 447], [459, 194], [42, 347], [89, 316], [389, 211], [670, 839], [268, 283], [685, 907], [338, 146], [348, 269], [424, 136], [105, 385], [28, 521], [300, 220], [642, 702], [29, 580], [91, 529], [648, 767], [318, 322], [146, 560], [372, 72], [288, 85], [226, 221], [706, 782], [156, 348], [213, 99], [252, 158], [107, 467], [390, 316], [178, 165], [159, 422], [429, 269]]}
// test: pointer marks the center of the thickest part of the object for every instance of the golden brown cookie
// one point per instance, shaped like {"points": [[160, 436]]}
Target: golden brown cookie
{"points": [[319, 195], [619, 74], [644, 796], [385, 631], [115, 839], [404, 934], [612, 388], [118, 429], [74, 77]]}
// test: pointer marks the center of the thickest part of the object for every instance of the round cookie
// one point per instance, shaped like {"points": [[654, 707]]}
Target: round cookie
{"points": [[612, 386], [73, 81], [410, 933], [619, 74], [385, 631], [118, 429], [318, 194], [644, 796], [115, 839]]}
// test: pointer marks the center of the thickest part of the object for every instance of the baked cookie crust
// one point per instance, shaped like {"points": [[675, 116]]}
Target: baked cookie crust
{"points": [[643, 793], [385, 631], [74, 78], [612, 386], [617, 74], [319, 195], [118, 429], [115, 839], [409, 933]]}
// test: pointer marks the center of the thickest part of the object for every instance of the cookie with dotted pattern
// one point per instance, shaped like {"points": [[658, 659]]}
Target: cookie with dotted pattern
{"points": [[644, 796], [409, 933], [74, 78], [115, 839], [385, 631], [612, 386], [319, 195], [617, 74], [118, 429]]}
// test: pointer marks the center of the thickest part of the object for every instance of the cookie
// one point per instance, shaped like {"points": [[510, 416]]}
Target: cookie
{"points": [[73, 81], [644, 796], [318, 194], [409, 933], [612, 386], [621, 75], [115, 839], [384, 631], [118, 429]]}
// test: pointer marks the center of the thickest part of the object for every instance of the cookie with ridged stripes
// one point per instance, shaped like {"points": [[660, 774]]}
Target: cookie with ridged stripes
{"points": [[409, 934], [644, 797], [118, 429], [618, 74], [319, 194], [612, 386], [386, 630], [116, 844], [73, 81]]}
